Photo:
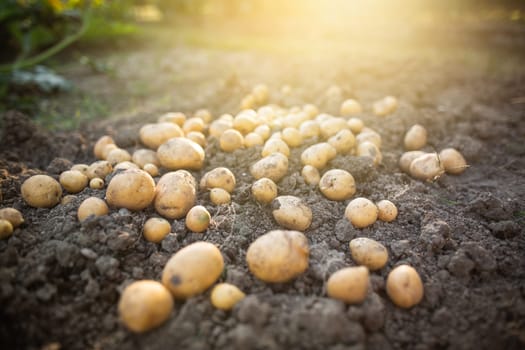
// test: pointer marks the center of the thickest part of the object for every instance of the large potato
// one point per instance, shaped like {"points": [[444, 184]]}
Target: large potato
{"points": [[370, 253], [220, 177], [278, 256], [291, 213], [349, 284], [193, 269], [133, 189], [404, 286], [181, 153], [361, 212], [92, 206], [337, 185], [427, 167], [452, 161], [224, 296], [41, 191], [12, 215], [144, 156], [154, 135], [318, 155], [415, 138], [175, 194], [407, 158], [264, 190], [274, 167]]}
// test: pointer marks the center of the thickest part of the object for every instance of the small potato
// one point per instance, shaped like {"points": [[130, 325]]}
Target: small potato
{"points": [[118, 155], [6, 229], [203, 114], [224, 296], [151, 169], [181, 153], [12, 215], [332, 126], [292, 213], [407, 158], [343, 141], [275, 145], [274, 167], [292, 137], [197, 137], [175, 194], [41, 191], [154, 135], [156, 229], [385, 106], [368, 149], [387, 210], [349, 284], [125, 166], [252, 139], [231, 140], [245, 122], [220, 177], [227, 117], [100, 144], [219, 196], [337, 185], [96, 183], [404, 286], [260, 93], [217, 127], [361, 212], [193, 269], [264, 190], [144, 305], [318, 155], [310, 110], [278, 256], [73, 181], [92, 206], [193, 124], [198, 219], [68, 198], [107, 149], [452, 161], [415, 138], [370, 253], [263, 130], [370, 136], [100, 169], [426, 167], [311, 175], [144, 156], [356, 125], [83, 168], [173, 117], [133, 189], [248, 102], [309, 128], [350, 107]]}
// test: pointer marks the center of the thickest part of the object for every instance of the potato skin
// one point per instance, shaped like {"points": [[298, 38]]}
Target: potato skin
{"points": [[181, 153], [278, 256], [101, 143], [175, 194], [220, 177], [264, 190], [350, 107], [404, 286], [154, 135], [6, 229], [41, 191], [361, 212], [368, 252], [292, 213], [92, 206], [274, 167], [100, 169], [275, 145], [73, 181], [452, 161], [318, 155], [156, 229], [311, 175], [144, 156], [198, 219], [415, 138], [407, 158], [224, 296], [193, 269], [230, 140], [349, 284], [12, 215], [426, 167], [387, 210], [369, 149], [337, 185], [133, 189]]}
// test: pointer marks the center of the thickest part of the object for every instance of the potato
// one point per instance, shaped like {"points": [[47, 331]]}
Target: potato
{"points": [[73, 181], [361, 212], [368, 149], [311, 175], [193, 269], [193, 124], [198, 219], [144, 156], [332, 126], [452, 161], [100, 169], [407, 158], [349, 284], [404, 286], [310, 110], [387, 210], [12, 215], [224, 296], [203, 114], [252, 139], [83, 168], [323, 117], [96, 183], [226, 117], [92, 206], [278, 256], [6, 229], [220, 177], [68, 198], [175, 194], [260, 93], [197, 137], [118, 155], [245, 121], [133, 189], [318, 155], [274, 167], [263, 130], [292, 137], [291, 213], [231, 140], [385, 106], [41, 191], [217, 127], [370, 253], [264, 190], [107, 149], [144, 305], [156, 229], [426, 167], [370, 136], [125, 166], [415, 138], [181, 153], [154, 135], [100, 144], [356, 125], [219, 196], [151, 169], [337, 185], [275, 145], [309, 128], [343, 141], [173, 117], [350, 107]]}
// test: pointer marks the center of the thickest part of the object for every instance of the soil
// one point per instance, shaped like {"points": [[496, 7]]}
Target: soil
{"points": [[60, 279]]}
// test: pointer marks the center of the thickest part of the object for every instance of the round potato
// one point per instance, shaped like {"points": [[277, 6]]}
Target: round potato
{"points": [[309, 128], [427, 167], [350, 107], [12, 215], [264, 190], [337, 185], [193, 269], [144, 156], [118, 155], [100, 169], [73, 181], [274, 167], [291, 213], [96, 183], [151, 169], [368, 149], [415, 138], [369, 253], [220, 177], [217, 127], [311, 110], [41, 191], [361, 212], [100, 144], [452, 161], [144, 305], [278, 256], [404, 286], [231, 140], [318, 155], [156, 229], [194, 124], [245, 121], [133, 189], [219, 196], [356, 125], [387, 211], [292, 137], [349, 284], [181, 153], [343, 141], [175, 194], [275, 145], [173, 117], [6, 229], [407, 158], [198, 219], [385, 106], [224, 296], [154, 135], [311, 175], [92, 206]]}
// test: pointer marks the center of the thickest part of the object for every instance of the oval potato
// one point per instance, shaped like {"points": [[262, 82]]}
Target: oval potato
{"points": [[133, 189], [361, 212], [41, 191], [291, 213], [404, 286], [12, 215], [224, 296], [452, 161], [181, 153], [274, 167], [369, 253], [92, 206], [154, 135], [175, 194], [337, 185], [426, 167], [349, 284]]}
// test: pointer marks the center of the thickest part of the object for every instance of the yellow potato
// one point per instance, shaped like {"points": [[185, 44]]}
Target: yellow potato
{"points": [[245, 122], [369, 253], [426, 167], [274, 167], [310, 110], [133, 189], [181, 153], [73, 181], [264, 190], [385, 106], [107, 149], [92, 206], [252, 139], [311, 175], [175, 194], [387, 210], [343, 141], [224, 296], [227, 117], [350, 107], [198, 219], [337, 185], [349, 284], [151, 169], [368, 149], [404, 286], [318, 155], [203, 114], [292, 213], [100, 144], [100, 169], [83, 168], [415, 138], [292, 137], [278, 256], [263, 130], [193, 269], [156, 229], [356, 125], [219, 196], [118, 155], [275, 145], [96, 183], [68, 198], [309, 128], [41, 191], [452, 161], [260, 93], [217, 127], [220, 177], [173, 117], [231, 140], [407, 158], [332, 126], [125, 166], [248, 102], [12, 215], [369, 135], [193, 124], [197, 137], [6, 229], [361, 212], [323, 117], [144, 156], [144, 305], [154, 135]]}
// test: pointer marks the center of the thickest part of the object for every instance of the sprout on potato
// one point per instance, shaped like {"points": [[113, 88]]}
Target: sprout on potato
{"points": [[292, 213], [337, 185], [41, 191], [133, 189], [92, 206], [264, 190], [349, 284], [361, 212], [181, 153], [404, 286], [224, 296], [156, 229]]}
